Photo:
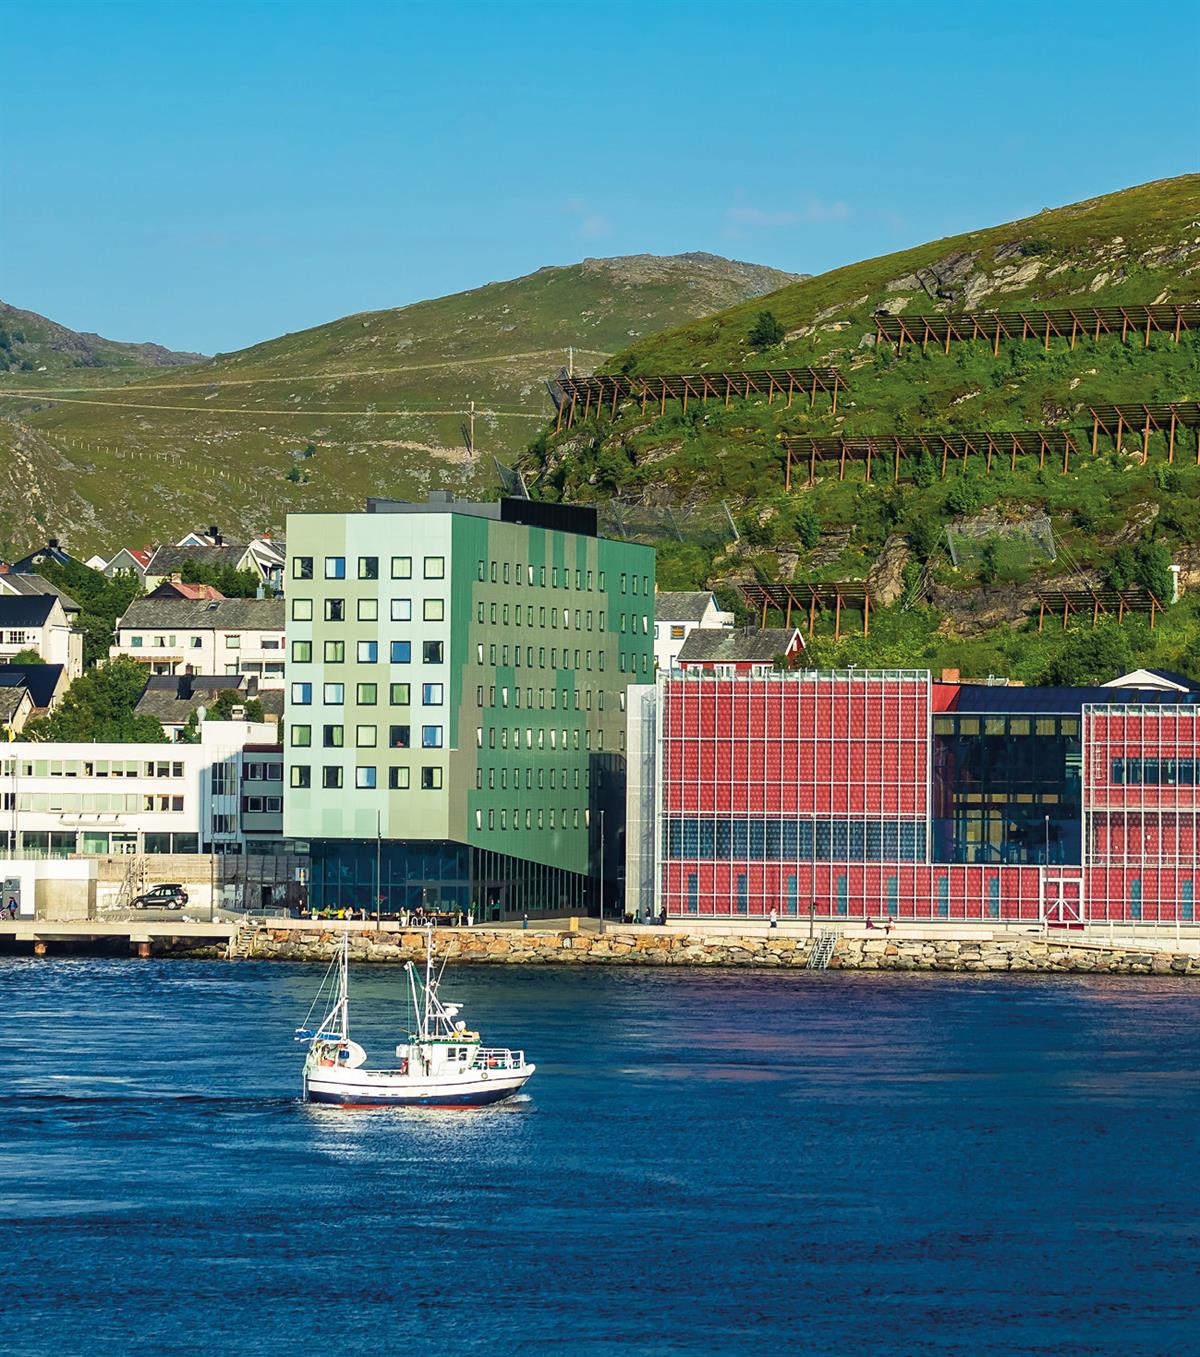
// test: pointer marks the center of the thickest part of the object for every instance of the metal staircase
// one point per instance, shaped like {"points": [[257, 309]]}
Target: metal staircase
{"points": [[242, 942], [823, 949]]}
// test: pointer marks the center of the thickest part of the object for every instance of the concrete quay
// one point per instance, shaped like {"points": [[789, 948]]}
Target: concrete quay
{"points": [[139, 937]]}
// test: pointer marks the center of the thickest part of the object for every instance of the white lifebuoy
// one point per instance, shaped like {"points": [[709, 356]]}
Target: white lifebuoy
{"points": [[484, 1073]]}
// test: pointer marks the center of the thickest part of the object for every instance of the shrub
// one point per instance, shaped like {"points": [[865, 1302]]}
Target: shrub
{"points": [[767, 331]]}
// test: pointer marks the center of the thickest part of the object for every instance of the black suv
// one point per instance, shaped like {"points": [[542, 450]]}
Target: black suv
{"points": [[171, 896]]}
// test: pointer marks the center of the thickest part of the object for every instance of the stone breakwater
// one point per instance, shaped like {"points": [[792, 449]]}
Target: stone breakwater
{"points": [[669, 947]]}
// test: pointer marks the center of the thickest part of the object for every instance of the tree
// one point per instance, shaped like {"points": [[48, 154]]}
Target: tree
{"points": [[232, 583], [1090, 657], [767, 331], [1152, 568], [29, 656], [101, 601], [99, 706]]}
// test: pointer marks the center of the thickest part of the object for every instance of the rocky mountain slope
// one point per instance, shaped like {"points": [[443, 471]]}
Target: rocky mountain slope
{"points": [[1111, 520], [376, 403], [30, 343]]}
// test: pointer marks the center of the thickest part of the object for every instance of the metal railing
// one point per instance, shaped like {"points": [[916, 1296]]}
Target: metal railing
{"points": [[498, 1058]]}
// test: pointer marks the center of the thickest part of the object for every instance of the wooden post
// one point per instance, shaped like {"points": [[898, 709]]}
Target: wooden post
{"points": [[836, 379], [1146, 440], [1041, 613], [1120, 430], [728, 390], [896, 471], [787, 475], [1046, 345], [812, 461], [996, 341], [1095, 431], [1041, 450], [643, 398], [812, 395], [812, 612], [763, 623], [925, 335], [1074, 330], [1178, 321], [662, 391], [616, 393], [1066, 452], [1171, 438], [868, 461], [1146, 345], [770, 389], [788, 613], [791, 387], [1066, 609], [1120, 609], [143, 950], [1013, 465], [945, 456], [837, 615], [842, 471], [1152, 606], [866, 614]]}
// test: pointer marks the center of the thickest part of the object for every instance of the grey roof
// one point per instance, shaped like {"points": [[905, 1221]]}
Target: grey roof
{"points": [[680, 607], [167, 560], [200, 614], [726, 645], [25, 610], [171, 697], [38, 584], [11, 699], [42, 680]]}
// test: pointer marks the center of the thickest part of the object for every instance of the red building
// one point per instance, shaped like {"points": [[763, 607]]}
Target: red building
{"points": [[876, 793]]}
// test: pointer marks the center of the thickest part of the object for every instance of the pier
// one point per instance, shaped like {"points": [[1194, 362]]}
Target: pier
{"points": [[142, 937]]}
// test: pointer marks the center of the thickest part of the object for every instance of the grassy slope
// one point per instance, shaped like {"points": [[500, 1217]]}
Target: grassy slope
{"points": [[40, 344], [1139, 245], [387, 421]]}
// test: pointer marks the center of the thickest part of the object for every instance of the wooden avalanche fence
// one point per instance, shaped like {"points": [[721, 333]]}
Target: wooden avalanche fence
{"points": [[809, 598]]}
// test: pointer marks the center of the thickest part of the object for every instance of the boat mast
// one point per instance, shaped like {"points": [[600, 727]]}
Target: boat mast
{"points": [[428, 975], [344, 986]]}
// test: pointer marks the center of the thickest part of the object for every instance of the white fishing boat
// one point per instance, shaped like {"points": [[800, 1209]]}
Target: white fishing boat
{"points": [[441, 1065]]}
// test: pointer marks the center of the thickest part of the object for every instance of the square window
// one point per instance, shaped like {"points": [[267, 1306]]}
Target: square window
{"points": [[335, 652], [335, 567], [368, 567], [365, 737], [435, 567], [334, 694], [399, 694], [432, 694], [302, 694], [364, 777], [301, 776], [431, 778], [402, 567], [402, 610], [302, 610], [301, 652], [431, 737], [302, 567], [368, 609], [399, 737], [434, 610], [335, 610], [398, 778], [368, 652], [401, 652], [432, 652], [333, 737], [301, 737], [331, 775], [366, 694]]}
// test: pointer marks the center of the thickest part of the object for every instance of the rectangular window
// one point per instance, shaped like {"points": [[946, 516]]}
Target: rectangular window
{"points": [[302, 610], [368, 568], [365, 737], [334, 694], [402, 610], [434, 610], [432, 652], [431, 737], [398, 779], [399, 737], [335, 652], [943, 897], [368, 652], [432, 694], [331, 775], [301, 652], [302, 567], [366, 694], [435, 567], [335, 610], [399, 694], [302, 694], [368, 610], [364, 778], [401, 652], [301, 776], [301, 736], [335, 567], [431, 778], [402, 567], [333, 737], [743, 901]]}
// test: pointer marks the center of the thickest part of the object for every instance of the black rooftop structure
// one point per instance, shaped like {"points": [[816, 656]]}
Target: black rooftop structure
{"points": [[576, 518], [42, 680], [26, 610], [1002, 700]]}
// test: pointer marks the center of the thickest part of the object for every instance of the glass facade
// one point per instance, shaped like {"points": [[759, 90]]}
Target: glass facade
{"points": [[774, 840], [438, 875], [1007, 788]]}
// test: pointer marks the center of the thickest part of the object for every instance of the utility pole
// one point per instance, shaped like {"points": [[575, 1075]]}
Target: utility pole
{"points": [[378, 873], [570, 361], [602, 871], [471, 435]]}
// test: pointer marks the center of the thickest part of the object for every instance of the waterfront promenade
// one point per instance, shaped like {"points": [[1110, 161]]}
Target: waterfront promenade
{"points": [[909, 947]]}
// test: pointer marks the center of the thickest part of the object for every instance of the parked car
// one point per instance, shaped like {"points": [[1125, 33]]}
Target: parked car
{"points": [[170, 896]]}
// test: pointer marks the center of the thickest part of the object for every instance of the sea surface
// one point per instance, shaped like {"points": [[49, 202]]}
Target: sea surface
{"points": [[703, 1163]]}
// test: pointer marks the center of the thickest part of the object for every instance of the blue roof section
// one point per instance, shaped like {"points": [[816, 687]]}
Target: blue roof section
{"points": [[41, 679], [996, 700]]}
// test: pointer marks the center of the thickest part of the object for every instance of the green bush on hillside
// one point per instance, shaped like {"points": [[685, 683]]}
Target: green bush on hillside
{"points": [[766, 331]]}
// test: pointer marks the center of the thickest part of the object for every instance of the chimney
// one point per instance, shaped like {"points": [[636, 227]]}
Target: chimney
{"points": [[52, 543], [951, 676], [215, 533]]}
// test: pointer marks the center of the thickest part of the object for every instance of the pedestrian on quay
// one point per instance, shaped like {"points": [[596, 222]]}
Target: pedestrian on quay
{"points": [[12, 906], [774, 917], [887, 928], [870, 922]]}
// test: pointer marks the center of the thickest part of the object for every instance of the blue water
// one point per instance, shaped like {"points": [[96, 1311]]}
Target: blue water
{"points": [[704, 1163]]}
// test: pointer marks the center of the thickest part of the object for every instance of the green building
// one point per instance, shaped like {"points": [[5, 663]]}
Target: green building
{"points": [[455, 718]]}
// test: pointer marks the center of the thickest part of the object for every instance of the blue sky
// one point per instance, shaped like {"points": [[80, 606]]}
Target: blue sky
{"points": [[211, 174]]}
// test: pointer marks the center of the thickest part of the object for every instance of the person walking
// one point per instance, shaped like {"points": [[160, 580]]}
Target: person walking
{"points": [[774, 917]]}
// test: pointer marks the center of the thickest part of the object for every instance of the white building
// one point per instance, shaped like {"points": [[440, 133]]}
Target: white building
{"points": [[205, 636], [39, 622], [676, 616], [262, 556], [223, 794]]}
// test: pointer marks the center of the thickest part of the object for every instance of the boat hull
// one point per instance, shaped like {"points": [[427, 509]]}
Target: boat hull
{"points": [[379, 1092]]}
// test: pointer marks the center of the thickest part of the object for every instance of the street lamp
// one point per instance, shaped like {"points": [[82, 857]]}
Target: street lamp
{"points": [[1046, 851], [602, 871]]}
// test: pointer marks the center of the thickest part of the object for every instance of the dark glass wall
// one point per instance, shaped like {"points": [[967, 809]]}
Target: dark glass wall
{"points": [[1006, 789], [438, 875]]}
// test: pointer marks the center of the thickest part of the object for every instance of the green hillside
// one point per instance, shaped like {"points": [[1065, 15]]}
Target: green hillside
{"points": [[31, 344], [1114, 521], [371, 404]]}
